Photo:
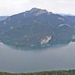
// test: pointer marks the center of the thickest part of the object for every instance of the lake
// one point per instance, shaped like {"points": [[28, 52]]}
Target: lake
{"points": [[57, 57]]}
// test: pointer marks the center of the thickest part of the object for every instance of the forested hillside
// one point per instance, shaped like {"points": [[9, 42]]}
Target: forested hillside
{"points": [[61, 72], [36, 27]]}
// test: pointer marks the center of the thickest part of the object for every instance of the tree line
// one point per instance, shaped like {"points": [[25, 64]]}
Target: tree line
{"points": [[59, 72]]}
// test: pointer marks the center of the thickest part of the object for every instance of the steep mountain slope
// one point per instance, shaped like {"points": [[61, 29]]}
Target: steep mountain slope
{"points": [[36, 27]]}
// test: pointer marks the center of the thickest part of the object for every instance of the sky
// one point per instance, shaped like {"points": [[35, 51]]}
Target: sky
{"points": [[10, 7]]}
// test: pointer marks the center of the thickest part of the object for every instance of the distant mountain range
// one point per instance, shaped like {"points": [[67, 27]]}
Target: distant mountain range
{"points": [[37, 27], [3, 17]]}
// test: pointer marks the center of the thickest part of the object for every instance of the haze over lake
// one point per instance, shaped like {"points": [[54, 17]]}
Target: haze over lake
{"points": [[57, 57]]}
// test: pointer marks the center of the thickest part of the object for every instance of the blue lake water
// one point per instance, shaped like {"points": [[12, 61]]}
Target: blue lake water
{"points": [[57, 57]]}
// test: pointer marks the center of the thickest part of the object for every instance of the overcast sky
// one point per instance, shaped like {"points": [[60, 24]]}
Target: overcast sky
{"points": [[10, 7]]}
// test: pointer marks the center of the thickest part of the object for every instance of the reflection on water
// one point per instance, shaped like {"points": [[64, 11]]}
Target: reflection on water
{"points": [[57, 57]]}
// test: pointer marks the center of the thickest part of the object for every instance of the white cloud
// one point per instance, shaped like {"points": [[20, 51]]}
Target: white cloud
{"points": [[9, 7]]}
